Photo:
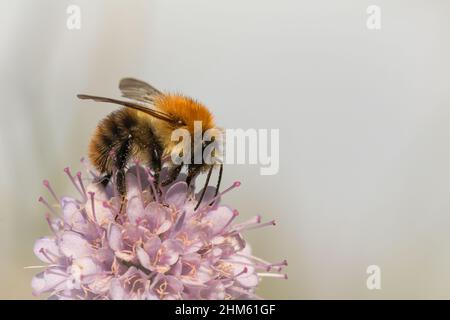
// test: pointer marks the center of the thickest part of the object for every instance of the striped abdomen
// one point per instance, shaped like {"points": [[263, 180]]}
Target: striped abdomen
{"points": [[120, 137]]}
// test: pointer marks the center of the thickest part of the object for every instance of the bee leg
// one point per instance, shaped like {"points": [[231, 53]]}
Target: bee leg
{"points": [[155, 163], [173, 175], [192, 173], [122, 156], [219, 180], [204, 188], [121, 188], [104, 180]]}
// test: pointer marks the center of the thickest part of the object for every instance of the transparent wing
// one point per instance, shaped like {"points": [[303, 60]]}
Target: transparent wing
{"points": [[138, 90], [133, 105]]}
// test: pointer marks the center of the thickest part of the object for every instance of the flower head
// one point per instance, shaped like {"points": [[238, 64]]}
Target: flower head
{"points": [[153, 245]]}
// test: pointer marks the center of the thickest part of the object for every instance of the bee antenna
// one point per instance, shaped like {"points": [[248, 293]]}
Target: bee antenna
{"points": [[219, 180], [204, 188]]}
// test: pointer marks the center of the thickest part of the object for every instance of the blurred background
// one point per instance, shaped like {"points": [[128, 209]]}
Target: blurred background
{"points": [[363, 116]]}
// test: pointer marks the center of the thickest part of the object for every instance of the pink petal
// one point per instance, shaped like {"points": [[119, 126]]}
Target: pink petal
{"points": [[207, 198], [215, 291], [88, 266], [150, 295], [152, 245], [46, 250], [132, 186], [115, 237], [165, 226], [71, 211], [38, 284], [248, 280], [143, 258], [174, 285], [219, 218], [74, 245], [176, 195], [102, 215], [100, 285], [244, 264], [135, 210], [51, 279], [125, 256], [194, 247], [117, 292], [157, 217], [171, 250]]}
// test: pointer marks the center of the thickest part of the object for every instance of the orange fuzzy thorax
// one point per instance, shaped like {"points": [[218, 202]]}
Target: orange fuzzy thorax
{"points": [[185, 109], [181, 108]]}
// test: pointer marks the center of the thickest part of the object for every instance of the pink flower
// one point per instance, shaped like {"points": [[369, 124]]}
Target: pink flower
{"points": [[158, 247]]}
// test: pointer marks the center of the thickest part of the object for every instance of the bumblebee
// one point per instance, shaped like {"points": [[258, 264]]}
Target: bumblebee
{"points": [[142, 129]]}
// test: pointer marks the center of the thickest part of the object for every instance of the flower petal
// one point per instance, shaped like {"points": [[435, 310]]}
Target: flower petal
{"points": [[46, 250], [115, 237], [157, 218], [102, 215], [152, 245], [170, 251], [71, 211], [176, 195], [219, 218], [51, 279], [117, 292], [207, 198], [143, 258], [73, 245], [248, 280], [88, 266]]}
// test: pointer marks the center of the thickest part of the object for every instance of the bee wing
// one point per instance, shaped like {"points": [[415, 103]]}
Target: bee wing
{"points": [[138, 90], [133, 105]]}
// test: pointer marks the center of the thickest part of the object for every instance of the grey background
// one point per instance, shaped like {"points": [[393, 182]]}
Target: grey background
{"points": [[363, 118]]}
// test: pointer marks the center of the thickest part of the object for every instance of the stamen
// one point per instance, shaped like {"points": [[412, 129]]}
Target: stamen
{"points": [[152, 184], [42, 200], [236, 184], [46, 184], [39, 267], [113, 209], [180, 222], [253, 226], [135, 283], [93, 206], [44, 252], [80, 181], [264, 265], [47, 217], [235, 214], [155, 281], [245, 270], [114, 187], [253, 221], [253, 258], [282, 263], [279, 265], [251, 263], [88, 168], [67, 171], [272, 275]]}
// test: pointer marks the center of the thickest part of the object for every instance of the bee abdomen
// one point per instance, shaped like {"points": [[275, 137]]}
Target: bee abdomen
{"points": [[120, 136], [111, 141]]}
